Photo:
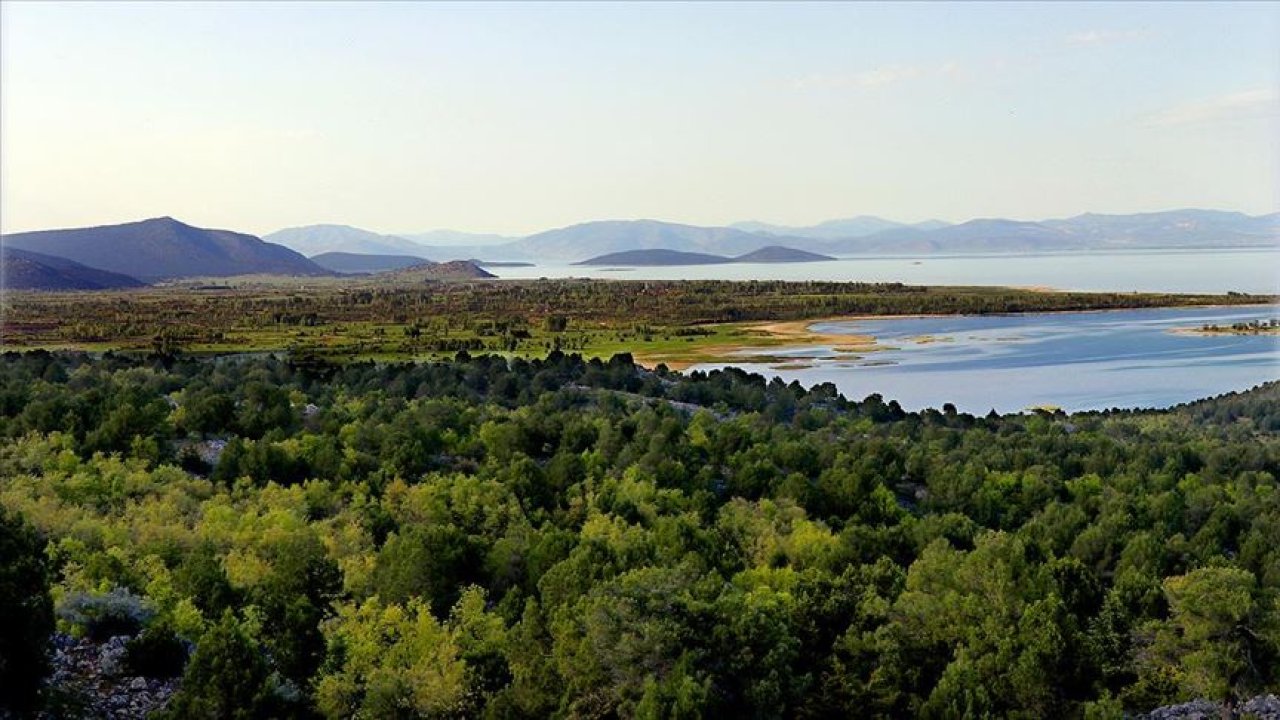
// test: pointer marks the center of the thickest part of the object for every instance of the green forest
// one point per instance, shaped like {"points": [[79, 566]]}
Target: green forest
{"points": [[564, 537]]}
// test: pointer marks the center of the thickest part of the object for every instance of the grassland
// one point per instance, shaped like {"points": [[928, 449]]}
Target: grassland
{"points": [[672, 322]]}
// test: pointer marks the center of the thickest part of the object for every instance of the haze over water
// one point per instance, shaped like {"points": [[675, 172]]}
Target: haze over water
{"points": [[1203, 271]]}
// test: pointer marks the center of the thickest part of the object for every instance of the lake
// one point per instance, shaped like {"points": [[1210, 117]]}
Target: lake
{"points": [[1076, 361], [1201, 271]]}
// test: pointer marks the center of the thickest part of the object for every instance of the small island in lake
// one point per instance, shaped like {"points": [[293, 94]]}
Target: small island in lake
{"points": [[659, 257], [1253, 327]]}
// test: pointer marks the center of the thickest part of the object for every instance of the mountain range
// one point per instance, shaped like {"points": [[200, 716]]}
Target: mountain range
{"points": [[163, 248], [862, 235], [837, 229]]}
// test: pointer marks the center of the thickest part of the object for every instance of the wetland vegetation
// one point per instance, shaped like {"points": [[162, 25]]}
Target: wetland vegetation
{"points": [[657, 321]]}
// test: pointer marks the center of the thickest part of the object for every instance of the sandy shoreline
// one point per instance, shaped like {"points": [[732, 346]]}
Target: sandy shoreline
{"points": [[788, 333], [797, 333]]}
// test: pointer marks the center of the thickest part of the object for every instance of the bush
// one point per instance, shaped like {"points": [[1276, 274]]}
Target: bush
{"points": [[26, 614], [157, 653], [226, 678], [118, 612]]}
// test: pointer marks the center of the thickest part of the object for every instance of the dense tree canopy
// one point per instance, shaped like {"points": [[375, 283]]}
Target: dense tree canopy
{"points": [[560, 537]]}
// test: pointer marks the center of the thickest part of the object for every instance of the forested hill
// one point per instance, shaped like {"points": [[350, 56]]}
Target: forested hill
{"points": [[567, 538]]}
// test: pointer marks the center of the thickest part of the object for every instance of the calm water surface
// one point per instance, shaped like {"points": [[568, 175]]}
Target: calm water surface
{"points": [[1076, 361], [1252, 271]]}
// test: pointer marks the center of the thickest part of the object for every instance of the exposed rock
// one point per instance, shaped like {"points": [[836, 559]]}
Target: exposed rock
{"points": [[93, 674], [1194, 710], [111, 655], [210, 451], [1263, 707]]}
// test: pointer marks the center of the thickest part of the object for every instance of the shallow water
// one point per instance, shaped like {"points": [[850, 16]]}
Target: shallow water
{"points": [[1076, 361], [1218, 271]]}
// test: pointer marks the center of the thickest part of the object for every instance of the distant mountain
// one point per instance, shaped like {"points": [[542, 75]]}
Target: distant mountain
{"points": [[1091, 232], [165, 248], [646, 258], [452, 270], [859, 226], [344, 262], [1174, 228], [974, 236], [457, 237], [649, 258], [312, 240], [867, 235], [25, 270]]}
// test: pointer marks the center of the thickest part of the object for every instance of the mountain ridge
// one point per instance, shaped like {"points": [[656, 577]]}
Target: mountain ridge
{"points": [[164, 248], [312, 240], [26, 270]]}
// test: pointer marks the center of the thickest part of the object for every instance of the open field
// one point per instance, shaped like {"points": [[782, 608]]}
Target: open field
{"points": [[672, 322]]}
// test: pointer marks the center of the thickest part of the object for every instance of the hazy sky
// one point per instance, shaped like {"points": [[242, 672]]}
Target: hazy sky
{"points": [[405, 117]]}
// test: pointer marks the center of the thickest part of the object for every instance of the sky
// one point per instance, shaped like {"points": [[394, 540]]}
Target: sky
{"points": [[405, 117]]}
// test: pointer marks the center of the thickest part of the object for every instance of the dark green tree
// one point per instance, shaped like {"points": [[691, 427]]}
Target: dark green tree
{"points": [[27, 612]]}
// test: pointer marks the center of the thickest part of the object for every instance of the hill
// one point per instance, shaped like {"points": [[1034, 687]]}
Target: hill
{"points": [[312, 240], [655, 257], [25, 270], [779, 254], [452, 270], [345, 262], [163, 248]]}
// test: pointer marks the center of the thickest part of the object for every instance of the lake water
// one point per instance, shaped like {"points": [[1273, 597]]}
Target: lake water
{"points": [[1218, 271], [1076, 361]]}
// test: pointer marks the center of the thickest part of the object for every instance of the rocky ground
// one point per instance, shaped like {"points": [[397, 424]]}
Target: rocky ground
{"points": [[89, 681], [1263, 707]]}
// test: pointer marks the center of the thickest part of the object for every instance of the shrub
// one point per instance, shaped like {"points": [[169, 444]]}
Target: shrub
{"points": [[118, 612]]}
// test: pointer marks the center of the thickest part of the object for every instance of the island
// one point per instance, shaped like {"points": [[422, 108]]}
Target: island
{"points": [[661, 257], [1254, 327]]}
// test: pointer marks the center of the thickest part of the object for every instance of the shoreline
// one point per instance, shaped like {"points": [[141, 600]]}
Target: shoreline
{"points": [[798, 333]]}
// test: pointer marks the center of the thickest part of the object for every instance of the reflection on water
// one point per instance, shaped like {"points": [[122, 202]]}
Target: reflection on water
{"points": [[1076, 361]]}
